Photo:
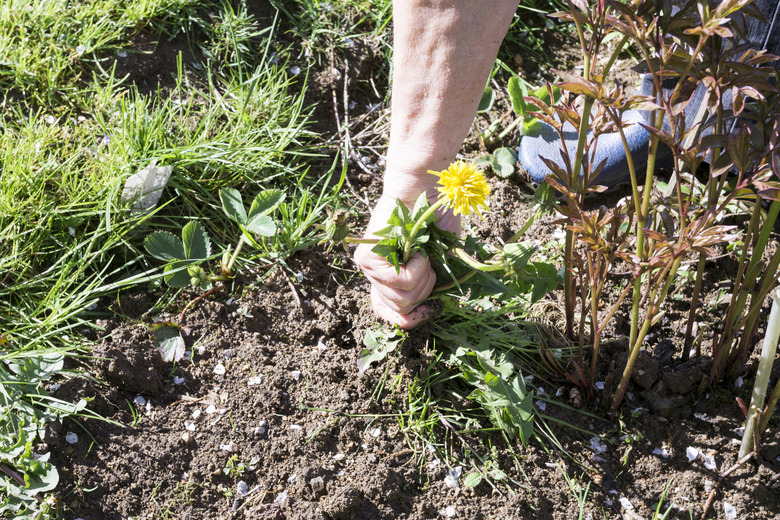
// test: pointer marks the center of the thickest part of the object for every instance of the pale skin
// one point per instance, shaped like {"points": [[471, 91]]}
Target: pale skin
{"points": [[442, 56]]}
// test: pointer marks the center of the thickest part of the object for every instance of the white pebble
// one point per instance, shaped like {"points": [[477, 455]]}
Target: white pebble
{"points": [[296, 427], [261, 428], [140, 401], [50, 119], [321, 345], [339, 456], [178, 380], [281, 498], [541, 405], [600, 385], [449, 511], [730, 510], [296, 374], [375, 432], [121, 54], [662, 451], [71, 437], [210, 409], [295, 70], [738, 382], [255, 380], [196, 414], [80, 49], [626, 504], [219, 369], [190, 426], [451, 480], [229, 301], [242, 488], [692, 453], [597, 446]]}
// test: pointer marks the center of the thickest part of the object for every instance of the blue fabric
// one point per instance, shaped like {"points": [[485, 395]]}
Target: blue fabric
{"points": [[543, 141]]}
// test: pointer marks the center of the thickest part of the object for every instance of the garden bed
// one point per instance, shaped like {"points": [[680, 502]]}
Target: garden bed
{"points": [[268, 416]]}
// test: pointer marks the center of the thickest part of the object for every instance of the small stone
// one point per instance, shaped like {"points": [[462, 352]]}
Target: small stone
{"points": [[255, 380], [626, 504], [339, 456], [376, 432], [296, 374], [451, 480], [140, 401], [597, 446], [178, 380], [281, 498], [187, 438], [219, 369], [730, 511], [210, 409], [261, 428], [317, 485], [189, 426], [71, 438], [196, 413], [242, 489], [448, 511], [296, 427]]}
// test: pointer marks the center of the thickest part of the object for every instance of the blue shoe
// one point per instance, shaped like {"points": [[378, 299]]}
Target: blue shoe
{"points": [[543, 141]]}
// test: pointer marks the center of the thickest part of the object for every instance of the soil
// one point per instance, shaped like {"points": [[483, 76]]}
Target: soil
{"points": [[268, 417]]}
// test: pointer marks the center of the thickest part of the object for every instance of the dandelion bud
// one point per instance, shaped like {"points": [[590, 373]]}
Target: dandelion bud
{"points": [[336, 227]]}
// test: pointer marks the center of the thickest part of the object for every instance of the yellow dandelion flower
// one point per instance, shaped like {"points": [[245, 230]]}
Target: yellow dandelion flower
{"points": [[463, 187]]}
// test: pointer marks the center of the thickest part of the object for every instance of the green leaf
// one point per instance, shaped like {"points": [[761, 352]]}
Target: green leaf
{"points": [[262, 225], [518, 254], [487, 99], [421, 206], [168, 340], [401, 217], [504, 160], [389, 250], [545, 281], [483, 161], [379, 343], [265, 202], [233, 205], [197, 245], [179, 278], [164, 246], [472, 479], [517, 90]]}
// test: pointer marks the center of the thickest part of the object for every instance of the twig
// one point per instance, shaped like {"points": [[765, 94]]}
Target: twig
{"points": [[187, 307], [722, 477], [346, 142], [293, 289]]}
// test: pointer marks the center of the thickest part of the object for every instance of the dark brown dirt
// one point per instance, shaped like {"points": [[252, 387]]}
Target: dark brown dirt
{"points": [[267, 417]]}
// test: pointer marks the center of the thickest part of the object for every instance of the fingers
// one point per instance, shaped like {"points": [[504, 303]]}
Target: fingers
{"points": [[416, 317], [399, 291]]}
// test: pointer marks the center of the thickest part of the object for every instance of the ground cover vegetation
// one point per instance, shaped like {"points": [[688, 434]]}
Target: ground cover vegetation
{"points": [[273, 118]]}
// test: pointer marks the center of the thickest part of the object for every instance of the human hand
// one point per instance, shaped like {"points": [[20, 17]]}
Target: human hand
{"points": [[395, 295]]}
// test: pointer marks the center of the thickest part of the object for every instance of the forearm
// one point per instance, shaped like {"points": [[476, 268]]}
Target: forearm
{"points": [[443, 53]]}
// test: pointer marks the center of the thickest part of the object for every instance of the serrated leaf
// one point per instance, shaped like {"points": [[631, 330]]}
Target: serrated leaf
{"points": [[164, 246], [379, 343], [504, 160], [197, 245], [262, 225], [179, 278], [168, 340], [265, 202], [420, 207], [233, 205], [483, 161], [472, 479], [487, 100]]}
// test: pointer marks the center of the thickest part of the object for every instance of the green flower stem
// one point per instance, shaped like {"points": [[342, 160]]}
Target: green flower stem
{"points": [[229, 266], [356, 240], [417, 225], [443, 288], [476, 264]]}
